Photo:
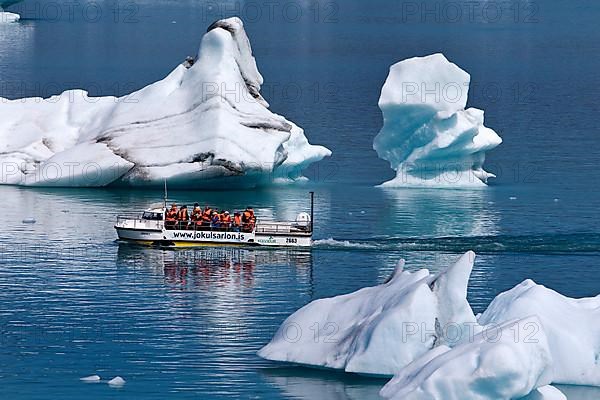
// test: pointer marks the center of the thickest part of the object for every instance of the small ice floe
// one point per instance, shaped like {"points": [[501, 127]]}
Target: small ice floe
{"points": [[512, 198], [556, 200], [91, 378], [362, 212], [8, 17], [29, 221], [116, 381]]}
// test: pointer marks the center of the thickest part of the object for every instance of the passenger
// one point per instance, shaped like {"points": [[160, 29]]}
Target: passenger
{"points": [[248, 220], [196, 213], [237, 221], [171, 217], [226, 220], [206, 216], [183, 217], [215, 221]]}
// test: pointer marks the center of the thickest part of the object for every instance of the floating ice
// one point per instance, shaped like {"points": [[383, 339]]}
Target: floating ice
{"points": [[378, 330], [116, 381], [91, 378], [500, 365], [571, 325], [8, 17], [202, 126], [29, 221], [427, 136]]}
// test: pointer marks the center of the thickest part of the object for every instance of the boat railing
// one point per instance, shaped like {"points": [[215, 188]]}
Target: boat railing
{"points": [[281, 228]]}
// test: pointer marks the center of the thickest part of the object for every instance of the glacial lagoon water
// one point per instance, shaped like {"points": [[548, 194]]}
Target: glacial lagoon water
{"points": [[187, 324]]}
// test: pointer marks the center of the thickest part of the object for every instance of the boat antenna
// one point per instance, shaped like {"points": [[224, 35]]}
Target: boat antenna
{"points": [[165, 194], [312, 209]]}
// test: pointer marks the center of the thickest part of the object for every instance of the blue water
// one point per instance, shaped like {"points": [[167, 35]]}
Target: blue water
{"points": [[187, 324]]}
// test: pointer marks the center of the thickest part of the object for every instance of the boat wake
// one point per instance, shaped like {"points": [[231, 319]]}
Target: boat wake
{"points": [[535, 244]]}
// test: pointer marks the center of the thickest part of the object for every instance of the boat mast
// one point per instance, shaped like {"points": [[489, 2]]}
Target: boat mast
{"points": [[312, 209], [165, 199]]}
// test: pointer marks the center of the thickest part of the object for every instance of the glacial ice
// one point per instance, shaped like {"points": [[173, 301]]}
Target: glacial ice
{"points": [[571, 325], [8, 17], [428, 136], [497, 365], [378, 330], [420, 328], [206, 126]]}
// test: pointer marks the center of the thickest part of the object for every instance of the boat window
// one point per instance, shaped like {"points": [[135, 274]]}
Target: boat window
{"points": [[152, 216]]}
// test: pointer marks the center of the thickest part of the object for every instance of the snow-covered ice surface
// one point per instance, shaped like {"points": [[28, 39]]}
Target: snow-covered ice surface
{"points": [[206, 126], [378, 330], [427, 136], [499, 365], [571, 325]]}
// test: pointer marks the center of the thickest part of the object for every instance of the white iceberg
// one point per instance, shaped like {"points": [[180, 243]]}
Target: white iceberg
{"points": [[571, 325], [8, 17], [381, 329], [427, 136], [91, 378], [204, 125], [498, 365], [117, 381]]}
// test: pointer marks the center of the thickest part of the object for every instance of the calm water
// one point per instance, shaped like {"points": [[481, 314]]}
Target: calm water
{"points": [[74, 302]]}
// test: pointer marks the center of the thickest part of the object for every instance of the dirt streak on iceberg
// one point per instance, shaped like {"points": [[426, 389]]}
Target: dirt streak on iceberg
{"points": [[427, 136], [204, 125]]}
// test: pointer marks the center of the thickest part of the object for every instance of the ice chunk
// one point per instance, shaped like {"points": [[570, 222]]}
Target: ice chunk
{"points": [[116, 381], [8, 17], [91, 378], [571, 325], [202, 126], [500, 365], [427, 136], [378, 330]]}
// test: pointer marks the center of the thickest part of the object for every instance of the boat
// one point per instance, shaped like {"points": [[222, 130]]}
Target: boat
{"points": [[151, 228]]}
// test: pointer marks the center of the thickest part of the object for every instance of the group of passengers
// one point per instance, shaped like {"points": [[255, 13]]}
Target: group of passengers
{"points": [[209, 218]]}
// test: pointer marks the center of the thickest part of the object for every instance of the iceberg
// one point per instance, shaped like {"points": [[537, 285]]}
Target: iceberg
{"points": [[571, 325], [205, 125], [500, 365], [381, 329], [428, 136], [8, 17]]}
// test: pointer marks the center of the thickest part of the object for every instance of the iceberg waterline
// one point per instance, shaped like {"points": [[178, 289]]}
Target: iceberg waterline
{"points": [[428, 136], [420, 328], [202, 126]]}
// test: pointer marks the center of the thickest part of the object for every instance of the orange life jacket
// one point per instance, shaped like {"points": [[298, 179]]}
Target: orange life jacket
{"points": [[182, 215], [237, 220], [172, 214]]}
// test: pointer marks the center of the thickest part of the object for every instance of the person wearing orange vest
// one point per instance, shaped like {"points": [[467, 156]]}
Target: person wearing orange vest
{"points": [[226, 220], [196, 216], [207, 216], [237, 221], [171, 217], [183, 217], [248, 220]]}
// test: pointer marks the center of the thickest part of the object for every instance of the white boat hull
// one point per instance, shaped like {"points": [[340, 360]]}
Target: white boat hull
{"points": [[191, 238]]}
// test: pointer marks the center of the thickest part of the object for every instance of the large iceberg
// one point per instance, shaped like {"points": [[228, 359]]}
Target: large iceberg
{"points": [[204, 125], [500, 365], [420, 328], [571, 325], [427, 136], [381, 329]]}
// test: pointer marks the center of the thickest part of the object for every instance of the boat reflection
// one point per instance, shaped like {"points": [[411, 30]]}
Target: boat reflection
{"points": [[215, 266]]}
